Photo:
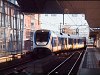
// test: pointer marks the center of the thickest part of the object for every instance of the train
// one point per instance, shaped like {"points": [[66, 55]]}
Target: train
{"points": [[47, 41]]}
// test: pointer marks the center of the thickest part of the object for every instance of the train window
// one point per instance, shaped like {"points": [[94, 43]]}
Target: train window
{"points": [[74, 41], [62, 41], [59, 41], [70, 41], [80, 41], [42, 37], [66, 41], [54, 41]]}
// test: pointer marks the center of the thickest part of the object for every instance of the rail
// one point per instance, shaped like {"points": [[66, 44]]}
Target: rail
{"points": [[13, 64], [75, 63], [60, 64]]}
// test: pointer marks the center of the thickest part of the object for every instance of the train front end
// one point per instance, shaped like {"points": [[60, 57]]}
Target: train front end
{"points": [[41, 42]]}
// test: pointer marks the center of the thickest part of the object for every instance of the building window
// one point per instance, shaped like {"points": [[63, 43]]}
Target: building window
{"points": [[27, 33], [1, 3], [32, 24]]}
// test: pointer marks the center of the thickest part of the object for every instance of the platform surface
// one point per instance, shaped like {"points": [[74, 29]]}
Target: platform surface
{"points": [[90, 64]]}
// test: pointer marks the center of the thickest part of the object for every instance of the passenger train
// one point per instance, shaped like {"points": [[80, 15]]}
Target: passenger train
{"points": [[49, 41]]}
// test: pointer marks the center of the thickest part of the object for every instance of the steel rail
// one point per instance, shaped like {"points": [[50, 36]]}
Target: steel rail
{"points": [[75, 63], [61, 64]]}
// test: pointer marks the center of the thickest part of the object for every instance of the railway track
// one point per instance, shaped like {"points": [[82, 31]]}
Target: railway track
{"points": [[62, 63], [16, 65], [68, 66]]}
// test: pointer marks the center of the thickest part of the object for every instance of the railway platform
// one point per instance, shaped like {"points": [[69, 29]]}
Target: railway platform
{"points": [[90, 64]]}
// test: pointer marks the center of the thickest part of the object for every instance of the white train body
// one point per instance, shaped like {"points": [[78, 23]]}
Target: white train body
{"points": [[46, 39]]}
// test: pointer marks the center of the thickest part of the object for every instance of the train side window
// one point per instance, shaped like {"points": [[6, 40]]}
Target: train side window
{"points": [[80, 41], [59, 41], [62, 41], [74, 41], [70, 41], [54, 41]]}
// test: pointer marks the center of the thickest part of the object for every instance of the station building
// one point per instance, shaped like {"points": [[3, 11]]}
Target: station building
{"points": [[11, 27], [31, 23], [15, 27]]}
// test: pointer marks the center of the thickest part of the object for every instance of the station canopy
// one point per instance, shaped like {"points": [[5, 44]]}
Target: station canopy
{"points": [[91, 9]]}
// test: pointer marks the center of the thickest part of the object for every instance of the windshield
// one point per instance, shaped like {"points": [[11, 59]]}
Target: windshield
{"points": [[42, 38]]}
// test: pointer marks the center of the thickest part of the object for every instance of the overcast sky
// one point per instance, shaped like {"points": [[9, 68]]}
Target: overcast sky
{"points": [[72, 21]]}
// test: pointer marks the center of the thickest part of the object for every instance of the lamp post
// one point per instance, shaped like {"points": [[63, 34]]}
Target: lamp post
{"points": [[63, 18], [77, 31], [65, 11]]}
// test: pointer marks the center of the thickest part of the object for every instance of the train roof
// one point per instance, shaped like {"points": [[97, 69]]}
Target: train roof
{"points": [[63, 35], [60, 34], [46, 30], [53, 34], [76, 36]]}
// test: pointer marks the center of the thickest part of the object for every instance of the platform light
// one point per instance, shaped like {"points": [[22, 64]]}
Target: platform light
{"points": [[96, 28]]}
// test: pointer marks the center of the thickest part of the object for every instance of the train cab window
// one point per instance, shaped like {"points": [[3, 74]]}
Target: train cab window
{"points": [[42, 38]]}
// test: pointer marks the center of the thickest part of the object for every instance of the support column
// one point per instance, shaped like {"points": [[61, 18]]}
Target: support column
{"points": [[3, 17]]}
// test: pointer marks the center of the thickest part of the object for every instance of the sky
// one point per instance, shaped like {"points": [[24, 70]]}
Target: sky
{"points": [[71, 21]]}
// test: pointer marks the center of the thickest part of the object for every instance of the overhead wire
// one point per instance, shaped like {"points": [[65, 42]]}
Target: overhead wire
{"points": [[74, 11], [64, 13], [68, 13], [78, 17]]}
